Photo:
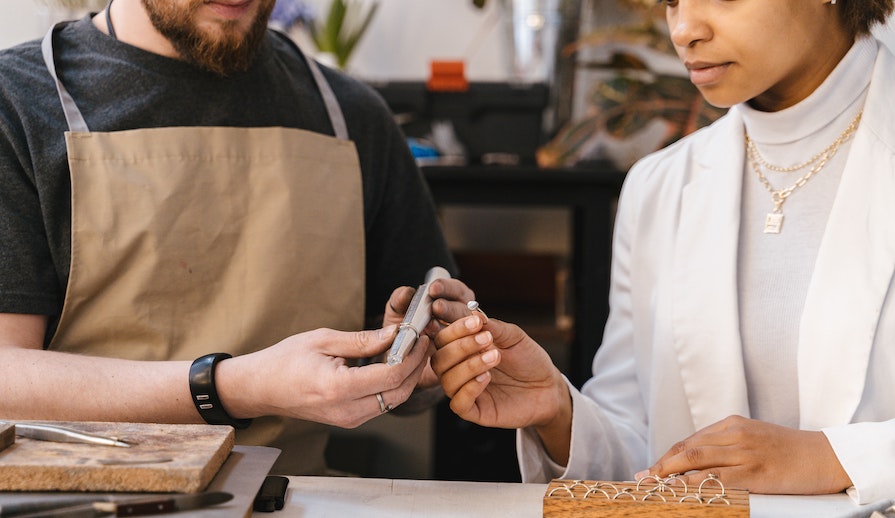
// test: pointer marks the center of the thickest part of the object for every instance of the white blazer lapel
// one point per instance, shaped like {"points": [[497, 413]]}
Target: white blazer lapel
{"points": [[706, 319], [853, 271]]}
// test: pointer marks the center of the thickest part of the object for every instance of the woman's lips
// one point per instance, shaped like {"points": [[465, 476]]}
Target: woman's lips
{"points": [[706, 73]]}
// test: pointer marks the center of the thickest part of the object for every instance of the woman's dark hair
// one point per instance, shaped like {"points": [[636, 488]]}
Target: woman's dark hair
{"points": [[860, 16]]}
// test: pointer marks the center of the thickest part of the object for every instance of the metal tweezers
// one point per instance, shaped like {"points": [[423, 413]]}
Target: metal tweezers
{"points": [[46, 432]]}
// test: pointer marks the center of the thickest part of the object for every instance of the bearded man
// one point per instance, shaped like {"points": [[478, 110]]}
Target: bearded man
{"points": [[198, 222]]}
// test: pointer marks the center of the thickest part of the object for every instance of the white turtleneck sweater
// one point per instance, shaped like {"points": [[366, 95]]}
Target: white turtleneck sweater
{"points": [[775, 269]]}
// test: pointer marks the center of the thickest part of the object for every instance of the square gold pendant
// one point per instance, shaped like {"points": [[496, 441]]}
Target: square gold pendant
{"points": [[773, 222]]}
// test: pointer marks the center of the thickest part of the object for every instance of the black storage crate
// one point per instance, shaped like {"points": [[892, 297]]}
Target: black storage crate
{"points": [[493, 121]]}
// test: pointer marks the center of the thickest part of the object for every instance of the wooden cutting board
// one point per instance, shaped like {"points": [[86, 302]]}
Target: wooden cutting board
{"points": [[162, 458], [7, 436]]}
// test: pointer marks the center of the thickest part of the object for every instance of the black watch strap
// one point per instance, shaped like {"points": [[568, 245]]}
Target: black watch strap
{"points": [[205, 394]]}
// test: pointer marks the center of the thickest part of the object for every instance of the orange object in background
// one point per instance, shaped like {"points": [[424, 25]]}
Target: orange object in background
{"points": [[447, 76]]}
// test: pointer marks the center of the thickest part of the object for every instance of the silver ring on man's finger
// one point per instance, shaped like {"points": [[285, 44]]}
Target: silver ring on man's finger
{"points": [[383, 408]]}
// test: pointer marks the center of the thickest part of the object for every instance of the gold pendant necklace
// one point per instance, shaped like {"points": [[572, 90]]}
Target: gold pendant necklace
{"points": [[773, 222]]}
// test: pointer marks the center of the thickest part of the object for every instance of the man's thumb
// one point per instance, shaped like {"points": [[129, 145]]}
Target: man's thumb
{"points": [[372, 342]]}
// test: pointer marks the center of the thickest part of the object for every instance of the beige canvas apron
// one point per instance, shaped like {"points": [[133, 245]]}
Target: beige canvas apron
{"points": [[191, 240]]}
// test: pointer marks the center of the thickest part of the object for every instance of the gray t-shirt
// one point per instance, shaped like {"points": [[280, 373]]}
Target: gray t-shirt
{"points": [[120, 87]]}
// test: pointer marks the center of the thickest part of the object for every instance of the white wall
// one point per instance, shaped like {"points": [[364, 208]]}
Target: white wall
{"points": [[402, 39], [18, 22], [405, 35]]}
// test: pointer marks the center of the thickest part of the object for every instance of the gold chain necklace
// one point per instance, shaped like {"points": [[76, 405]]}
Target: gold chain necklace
{"points": [[774, 220]]}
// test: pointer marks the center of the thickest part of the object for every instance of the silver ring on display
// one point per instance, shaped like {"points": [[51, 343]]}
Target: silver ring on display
{"points": [[675, 476], [594, 491], [650, 477], [710, 478], [625, 492], [561, 488], [696, 498], [650, 494], [721, 497]]}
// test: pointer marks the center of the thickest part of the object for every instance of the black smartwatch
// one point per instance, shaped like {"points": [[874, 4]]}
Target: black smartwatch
{"points": [[205, 394]]}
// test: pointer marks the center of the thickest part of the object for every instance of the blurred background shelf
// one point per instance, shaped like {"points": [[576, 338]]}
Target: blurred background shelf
{"points": [[560, 299]]}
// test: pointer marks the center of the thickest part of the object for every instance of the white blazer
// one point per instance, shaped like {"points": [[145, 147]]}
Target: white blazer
{"points": [[671, 359]]}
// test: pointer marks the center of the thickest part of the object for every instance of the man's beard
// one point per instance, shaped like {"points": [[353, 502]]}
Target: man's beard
{"points": [[225, 51]]}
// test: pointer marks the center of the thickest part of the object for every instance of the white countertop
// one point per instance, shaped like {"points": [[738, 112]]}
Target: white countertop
{"points": [[313, 497]]}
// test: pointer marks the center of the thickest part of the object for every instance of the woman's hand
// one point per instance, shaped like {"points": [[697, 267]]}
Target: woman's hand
{"points": [[758, 456], [497, 376]]}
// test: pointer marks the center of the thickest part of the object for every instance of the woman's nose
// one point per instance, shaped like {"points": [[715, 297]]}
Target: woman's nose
{"points": [[687, 24]]}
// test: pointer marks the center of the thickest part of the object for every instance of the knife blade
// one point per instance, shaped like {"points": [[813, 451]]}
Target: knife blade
{"points": [[40, 503], [47, 432], [142, 506], [171, 504]]}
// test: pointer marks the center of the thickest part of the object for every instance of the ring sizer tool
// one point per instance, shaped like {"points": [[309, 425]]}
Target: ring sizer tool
{"points": [[417, 317]]}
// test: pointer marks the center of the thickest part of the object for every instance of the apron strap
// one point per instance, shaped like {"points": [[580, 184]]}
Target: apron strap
{"points": [[336, 118], [333, 109], [72, 113], [109, 26]]}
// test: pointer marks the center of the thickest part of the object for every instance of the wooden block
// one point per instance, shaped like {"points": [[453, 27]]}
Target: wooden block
{"points": [[163, 458], [597, 498], [7, 435]]}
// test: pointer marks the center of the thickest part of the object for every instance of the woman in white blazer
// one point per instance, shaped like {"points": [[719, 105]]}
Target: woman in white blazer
{"points": [[752, 327]]}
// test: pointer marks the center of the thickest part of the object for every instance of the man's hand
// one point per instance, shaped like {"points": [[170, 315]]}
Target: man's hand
{"points": [[306, 376]]}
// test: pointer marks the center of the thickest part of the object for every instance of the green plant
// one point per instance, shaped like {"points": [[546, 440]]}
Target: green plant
{"points": [[345, 23]]}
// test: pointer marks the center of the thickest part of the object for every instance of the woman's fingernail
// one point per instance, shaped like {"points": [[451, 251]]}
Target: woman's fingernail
{"points": [[641, 474], [471, 322], [490, 356], [481, 378], [483, 338]]}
